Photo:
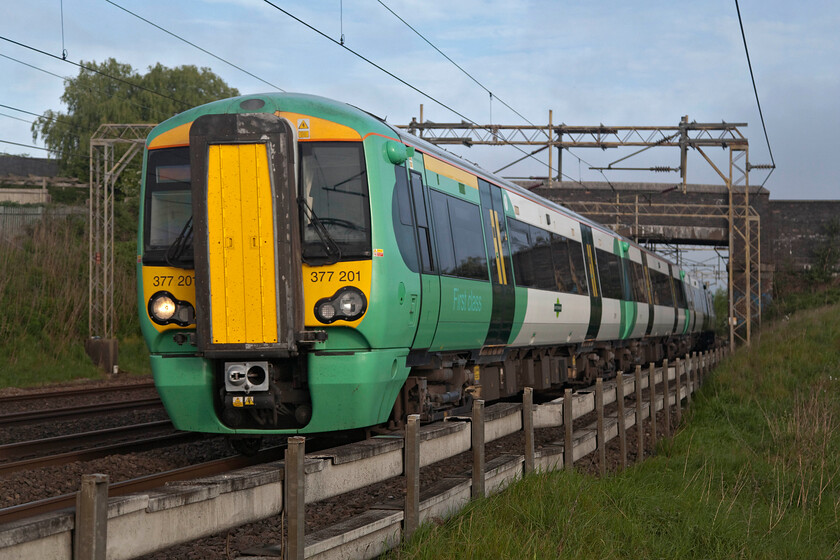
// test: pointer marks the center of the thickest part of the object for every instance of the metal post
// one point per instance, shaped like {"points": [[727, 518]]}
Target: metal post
{"points": [[295, 483], [622, 428], [550, 150], [640, 430], [478, 449], [599, 409], [666, 395], [568, 444], [91, 534], [528, 426], [652, 397], [412, 476]]}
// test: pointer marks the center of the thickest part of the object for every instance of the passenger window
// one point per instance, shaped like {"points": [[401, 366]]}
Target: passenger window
{"points": [[637, 274], [443, 233], [520, 245], [468, 239], [609, 268], [459, 237], [424, 237]]}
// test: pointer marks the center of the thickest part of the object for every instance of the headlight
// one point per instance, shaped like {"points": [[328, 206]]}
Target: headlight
{"points": [[347, 304], [162, 307], [165, 309]]}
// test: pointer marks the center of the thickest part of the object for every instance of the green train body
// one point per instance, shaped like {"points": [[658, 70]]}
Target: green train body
{"points": [[305, 267]]}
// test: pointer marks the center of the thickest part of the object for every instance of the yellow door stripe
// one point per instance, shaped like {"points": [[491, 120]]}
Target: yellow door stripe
{"points": [[241, 245], [497, 242], [592, 271]]}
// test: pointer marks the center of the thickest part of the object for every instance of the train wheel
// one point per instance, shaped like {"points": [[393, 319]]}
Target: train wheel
{"points": [[248, 446]]}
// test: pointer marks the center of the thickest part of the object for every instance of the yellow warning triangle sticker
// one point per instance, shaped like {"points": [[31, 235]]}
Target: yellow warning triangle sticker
{"points": [[303, 128]]}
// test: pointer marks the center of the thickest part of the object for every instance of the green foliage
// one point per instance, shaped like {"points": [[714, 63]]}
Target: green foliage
{"points": [[720, 302], [93, 98], [44, 297], [754, 473], [795, 290], [827, 253]]}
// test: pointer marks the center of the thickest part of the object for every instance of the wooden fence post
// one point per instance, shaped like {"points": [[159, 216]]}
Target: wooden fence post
{"points": [[652, 397], [640, 429], [478, 449], [599, 410], [528, 426], [622, 428], [295, 483], [568, 445], [91, 532], [412, 476], [666, 394]]}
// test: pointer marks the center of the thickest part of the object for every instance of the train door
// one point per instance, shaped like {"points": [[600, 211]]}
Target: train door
{"points": [[247, 244], [649, 288], [501, 275], [429, 280], [594, 283]]}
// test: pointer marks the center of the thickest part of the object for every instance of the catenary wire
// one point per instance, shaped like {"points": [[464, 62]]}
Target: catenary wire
{"points": [[94, 70], [482, 86], [458, 66], [755, 90], [65, 78], [205, 51], [388, 72]]}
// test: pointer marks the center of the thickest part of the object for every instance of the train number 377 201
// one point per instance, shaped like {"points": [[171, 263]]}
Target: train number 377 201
{"points": [[341, 276], [167, 281]]}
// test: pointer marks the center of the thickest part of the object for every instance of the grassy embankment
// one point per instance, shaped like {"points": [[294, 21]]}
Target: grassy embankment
{"points": [[44, 306], [753, 473]]}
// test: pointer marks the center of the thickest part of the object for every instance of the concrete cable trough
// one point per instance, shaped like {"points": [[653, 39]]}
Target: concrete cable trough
{"points": [[180, 512]]}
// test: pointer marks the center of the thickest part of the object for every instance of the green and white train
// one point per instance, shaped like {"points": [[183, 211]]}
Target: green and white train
{"points": [[306, 267]]}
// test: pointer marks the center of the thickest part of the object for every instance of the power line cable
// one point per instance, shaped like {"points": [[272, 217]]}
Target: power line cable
{"points": [[34, 67], [369, 61], [755, 90], [205, 51], [67, 78], [401, 80], [94, 70], [42, 149], [458, 66], [42, 116], [16, 118]]}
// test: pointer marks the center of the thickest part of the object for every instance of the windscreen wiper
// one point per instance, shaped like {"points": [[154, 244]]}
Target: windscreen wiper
{"points": [[330, 246], [179, 247]]}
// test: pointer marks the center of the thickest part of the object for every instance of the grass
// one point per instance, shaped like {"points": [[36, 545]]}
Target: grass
{"points": [[753, 473], [44, 302]]}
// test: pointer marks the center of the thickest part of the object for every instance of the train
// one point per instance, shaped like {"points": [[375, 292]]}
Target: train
{"points": [[305, 267]]}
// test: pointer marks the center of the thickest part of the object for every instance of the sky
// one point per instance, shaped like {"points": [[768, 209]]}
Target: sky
{"points": [[615, 63]]}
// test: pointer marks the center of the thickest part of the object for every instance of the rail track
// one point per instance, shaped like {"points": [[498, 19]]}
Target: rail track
{"points": [[143, 483], [41, 453], [99, 409], [81, 391]]}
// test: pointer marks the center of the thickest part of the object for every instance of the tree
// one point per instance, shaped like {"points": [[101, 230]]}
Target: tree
{"points": [[112, 92]]}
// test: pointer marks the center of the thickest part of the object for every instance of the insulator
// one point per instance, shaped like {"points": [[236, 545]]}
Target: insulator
{"points": [[762, 166], [661, 169]]}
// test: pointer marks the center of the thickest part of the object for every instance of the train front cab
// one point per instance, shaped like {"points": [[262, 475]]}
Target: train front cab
{"points": [[240, 277]]}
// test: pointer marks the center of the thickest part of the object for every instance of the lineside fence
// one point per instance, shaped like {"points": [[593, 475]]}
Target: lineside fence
{"points": [[15, 219], [130, 526]]}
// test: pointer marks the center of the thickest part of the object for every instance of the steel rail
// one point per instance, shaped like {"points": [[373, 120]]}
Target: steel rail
{"points": [[23, 449], [143, 483], [98, 409], [74, 392]]}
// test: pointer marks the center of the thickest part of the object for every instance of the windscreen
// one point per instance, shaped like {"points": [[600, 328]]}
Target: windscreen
{"points": [[334, 202], [168, 208]]}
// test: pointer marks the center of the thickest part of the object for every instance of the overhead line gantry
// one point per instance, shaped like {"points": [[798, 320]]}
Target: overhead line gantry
{"points": [[744, 222]]}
